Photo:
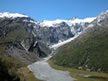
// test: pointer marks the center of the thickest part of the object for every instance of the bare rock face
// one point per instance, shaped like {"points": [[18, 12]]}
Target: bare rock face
{"points": [[52, 35], [102, 19], [19, 42], [59, 31], [32, 40]]}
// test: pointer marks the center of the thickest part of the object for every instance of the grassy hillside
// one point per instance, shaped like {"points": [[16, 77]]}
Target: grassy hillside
{"points": [[14, 32], [89, 51], [81, 75], [12, 69]]}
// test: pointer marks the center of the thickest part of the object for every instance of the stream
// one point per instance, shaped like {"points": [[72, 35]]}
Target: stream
{"points": [[43, 71]]}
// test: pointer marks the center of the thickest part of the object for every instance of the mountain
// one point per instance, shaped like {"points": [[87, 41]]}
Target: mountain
{"points": [[14, 28], [89, 50], [24, 41], [27, 40], [71, 22], [18, 47], [61, 30], [49, 32]]}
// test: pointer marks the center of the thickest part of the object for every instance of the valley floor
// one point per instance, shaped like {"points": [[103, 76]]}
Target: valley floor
{"points": [[81, 75], [43, 71], [48, 71]]}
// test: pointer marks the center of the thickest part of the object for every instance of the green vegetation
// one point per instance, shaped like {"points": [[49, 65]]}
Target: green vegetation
{"points": [[26, 75], [14, 33], [8, 67], [13, 70], [77, 74], [89, 51]]}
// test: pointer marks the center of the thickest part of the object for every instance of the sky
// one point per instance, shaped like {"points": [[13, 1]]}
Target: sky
{"points": [[41, 10]]}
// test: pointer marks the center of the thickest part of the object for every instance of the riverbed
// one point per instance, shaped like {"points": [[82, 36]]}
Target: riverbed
{"points": [[43, 71]]}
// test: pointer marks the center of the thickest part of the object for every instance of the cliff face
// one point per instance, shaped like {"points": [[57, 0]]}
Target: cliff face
{"points": [[19, 42], [18, 48], [47, 32]]}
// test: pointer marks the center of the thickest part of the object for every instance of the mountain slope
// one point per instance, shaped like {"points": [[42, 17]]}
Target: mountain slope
{"points": [[61, 30], [12, 69], [49, 32], [89, 50], [18, 48], [16, 29], [24, 41]]}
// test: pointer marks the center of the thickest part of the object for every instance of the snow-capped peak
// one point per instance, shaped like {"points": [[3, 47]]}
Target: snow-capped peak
{"points": [[104, 13], [69, 22], [11, 15], [74, 21], [51, 23], [102, 16]]}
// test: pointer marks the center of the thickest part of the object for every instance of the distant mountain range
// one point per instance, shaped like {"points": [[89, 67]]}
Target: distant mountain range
{"points": [[89, 51], [50, 32], [79, 43]]}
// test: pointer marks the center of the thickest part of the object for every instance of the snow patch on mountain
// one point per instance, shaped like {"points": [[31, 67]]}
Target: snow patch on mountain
{"points": [[11, 15], [101, 17], [51, 23], [33, 22], [69, 22], [55, 46], [90, 25], [74, 21]]}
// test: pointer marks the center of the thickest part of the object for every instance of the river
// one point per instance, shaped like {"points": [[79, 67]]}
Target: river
{"points": [[43, 71]]}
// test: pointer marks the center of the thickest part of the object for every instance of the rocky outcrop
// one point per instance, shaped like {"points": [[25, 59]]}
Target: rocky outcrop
{"points": [[53, 33], [19, 42], [25, 38]]}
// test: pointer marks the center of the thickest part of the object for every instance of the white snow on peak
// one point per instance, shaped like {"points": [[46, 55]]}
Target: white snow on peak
{"points": [[11, 15], [74, 21], [33, 22], [69, 22], [104, 13], [51, 23], [102, 16], [83, 20]]}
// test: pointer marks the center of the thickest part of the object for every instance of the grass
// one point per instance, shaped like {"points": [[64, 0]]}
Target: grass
{"points": [[89, 51], [17, 69], [14, 69], [10, 68], [76, 73], [15, 32], [26, 75]]}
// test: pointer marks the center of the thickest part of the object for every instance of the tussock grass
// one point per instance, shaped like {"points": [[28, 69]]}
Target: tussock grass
{"points": [[13, 69], [88, 51], [26, 75], [98, 76]]}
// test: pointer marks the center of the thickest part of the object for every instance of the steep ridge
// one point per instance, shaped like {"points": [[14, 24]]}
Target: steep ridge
{"points": [[49, 32], [61, 30], [18, 47], [89, 50], [15, 28], [26, 41]]}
